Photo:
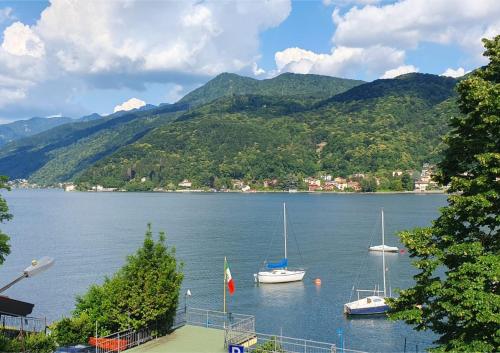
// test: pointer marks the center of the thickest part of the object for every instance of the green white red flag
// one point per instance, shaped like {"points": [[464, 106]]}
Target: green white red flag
{"points": [[229, 278]]}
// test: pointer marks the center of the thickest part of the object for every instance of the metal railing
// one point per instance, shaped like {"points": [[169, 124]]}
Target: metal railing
{"points": [[214, 319], [123, 340], [22, 324], [283, 344], [238, 329]]}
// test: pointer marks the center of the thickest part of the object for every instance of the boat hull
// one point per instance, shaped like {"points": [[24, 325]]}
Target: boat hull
{"points": [[373, 305], [279, 276], [385, 248], [366, 311]]}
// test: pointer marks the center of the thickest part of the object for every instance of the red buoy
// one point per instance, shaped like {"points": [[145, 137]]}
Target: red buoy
{"points": [[317, 282]]}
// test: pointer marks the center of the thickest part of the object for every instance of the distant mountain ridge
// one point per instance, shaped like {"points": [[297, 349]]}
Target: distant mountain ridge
{"points": [[287, 84], [24, 128], [239, 127]]}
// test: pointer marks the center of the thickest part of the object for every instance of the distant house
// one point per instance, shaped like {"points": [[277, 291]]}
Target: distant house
{"points": [[238, 184], [312, 181], [314, 187], [358, 175], [340, 183], [329, 186], [327, 177], [354, 185], [246, 188], [185, 183], [397, 173], [421, 185], [270, 183], [69, 187]]}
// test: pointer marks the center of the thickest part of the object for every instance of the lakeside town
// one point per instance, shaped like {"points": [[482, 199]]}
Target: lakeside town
{"points": [[396, 181]]}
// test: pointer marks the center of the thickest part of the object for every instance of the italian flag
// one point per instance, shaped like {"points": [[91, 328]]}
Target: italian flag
{"points": [[229, 278]]}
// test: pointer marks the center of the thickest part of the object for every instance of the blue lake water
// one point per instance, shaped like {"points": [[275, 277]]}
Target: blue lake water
{"points": [[90, 235]]}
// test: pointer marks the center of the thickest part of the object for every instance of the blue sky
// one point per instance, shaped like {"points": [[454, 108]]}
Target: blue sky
{"points": [[59, 58]]}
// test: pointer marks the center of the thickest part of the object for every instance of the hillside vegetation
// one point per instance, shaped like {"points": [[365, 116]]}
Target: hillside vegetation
{"points": [[285, 85], [236, 127], [255, 137]]}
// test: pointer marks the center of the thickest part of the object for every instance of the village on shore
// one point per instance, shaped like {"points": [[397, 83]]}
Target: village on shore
{"points": [[398, 181]]}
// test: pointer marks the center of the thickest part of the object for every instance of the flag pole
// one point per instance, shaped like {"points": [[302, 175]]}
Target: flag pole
{"points": [[224, 284]]}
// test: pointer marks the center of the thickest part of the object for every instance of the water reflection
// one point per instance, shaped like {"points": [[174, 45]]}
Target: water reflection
{"points": [[281, 294]]}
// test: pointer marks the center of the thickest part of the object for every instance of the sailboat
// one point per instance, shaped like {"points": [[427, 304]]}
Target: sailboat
{"points": [[375, 303], [279, 272]]}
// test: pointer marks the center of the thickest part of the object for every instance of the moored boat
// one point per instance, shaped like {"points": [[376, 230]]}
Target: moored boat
{"points": [[279, 272], [375, 303]]}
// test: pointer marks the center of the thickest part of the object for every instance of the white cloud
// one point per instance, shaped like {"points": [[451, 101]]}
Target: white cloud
{"points": [[454, 73], [349, 2], [407, 23], [130, 44], [257, 71], [400, 70], [20, 40], [342, 61], [132, 103], [371, 41]]}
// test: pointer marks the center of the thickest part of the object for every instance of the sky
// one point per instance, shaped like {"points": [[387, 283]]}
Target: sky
{"points": [[76, 57]]}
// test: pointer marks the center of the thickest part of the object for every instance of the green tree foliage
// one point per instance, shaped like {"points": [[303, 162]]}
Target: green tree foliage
{"points": [[4, 216], [75, 330], [143, 293], [271, 346], [29, 343], [39, 343], [457, 293], [256, 138], [369, 128]]}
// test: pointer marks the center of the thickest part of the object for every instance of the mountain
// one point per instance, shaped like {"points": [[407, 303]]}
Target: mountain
{"points": [[284, 128], [376, 127], [23, 128], [91, 117], [287, 84], [59, 154]]}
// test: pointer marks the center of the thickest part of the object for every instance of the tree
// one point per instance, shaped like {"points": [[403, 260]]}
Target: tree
{"points": [[407, 181], [271, 346], [76, 330], [368, 184], [4, 216], [457, 291], [143, 293]]}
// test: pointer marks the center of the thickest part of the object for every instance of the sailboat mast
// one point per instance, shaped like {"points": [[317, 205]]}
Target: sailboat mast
{"points": [[383, 252], [284, 225]]}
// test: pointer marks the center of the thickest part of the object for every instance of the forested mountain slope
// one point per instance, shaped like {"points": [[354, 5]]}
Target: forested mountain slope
{"points": [[378, 126]]}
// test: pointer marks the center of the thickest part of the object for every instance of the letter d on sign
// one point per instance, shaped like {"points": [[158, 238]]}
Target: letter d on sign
{"points": [[236, 349]]}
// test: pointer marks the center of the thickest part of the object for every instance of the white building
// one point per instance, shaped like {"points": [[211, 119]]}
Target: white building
{"points": [[185, 184]]}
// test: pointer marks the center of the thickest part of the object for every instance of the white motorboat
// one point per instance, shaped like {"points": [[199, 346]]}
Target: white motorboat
{"points": [[375, 303], [279, 272]]}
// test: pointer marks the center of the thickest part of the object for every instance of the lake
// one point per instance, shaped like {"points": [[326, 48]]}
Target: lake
{"points": [[90, 235]]}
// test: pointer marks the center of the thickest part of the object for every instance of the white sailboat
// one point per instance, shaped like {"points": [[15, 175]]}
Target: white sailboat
{"points": [[375, 303], [279, 272], [385, 248]]}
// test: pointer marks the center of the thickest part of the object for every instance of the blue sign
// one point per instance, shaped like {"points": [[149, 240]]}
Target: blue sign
{"points": [[236, 349]]}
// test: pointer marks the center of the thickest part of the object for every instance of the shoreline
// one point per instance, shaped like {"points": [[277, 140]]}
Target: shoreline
{"points": [[255, 192]]}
